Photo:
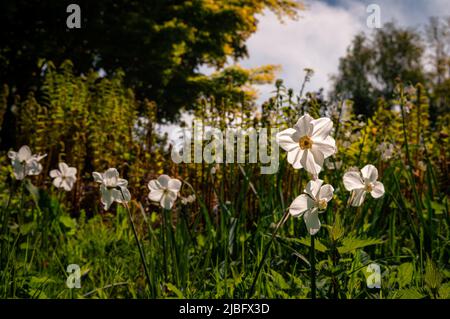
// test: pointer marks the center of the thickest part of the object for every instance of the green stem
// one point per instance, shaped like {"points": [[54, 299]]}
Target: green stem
{"points": [[266, 250], [141, 252], [20, 217], [334, 279], [5, 217], [313, 269], [172, 245], [163, 233]]}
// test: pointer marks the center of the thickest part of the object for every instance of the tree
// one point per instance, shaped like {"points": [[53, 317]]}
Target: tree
{"points": [[398, 55], [438, 38], [374, 63], [353, 81], [235, 84], [159, 44]]}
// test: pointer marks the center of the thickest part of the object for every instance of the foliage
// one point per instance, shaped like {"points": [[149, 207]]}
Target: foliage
{"points": [[212, 248], [68, 117], [375, 62], [224, 241], [158, 44]]}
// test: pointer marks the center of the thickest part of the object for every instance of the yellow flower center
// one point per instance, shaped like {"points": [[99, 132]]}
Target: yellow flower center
{"points": [[322, 204], [305, 142], [369, 187]]}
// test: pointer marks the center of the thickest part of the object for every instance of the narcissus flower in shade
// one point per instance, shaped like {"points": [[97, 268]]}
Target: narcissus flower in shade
{"points": [[360, 183], [387, 150], [112, 188], [309, 205], [164, 190], [25, 163], [64, 177], [188, 200], [308, 143]]}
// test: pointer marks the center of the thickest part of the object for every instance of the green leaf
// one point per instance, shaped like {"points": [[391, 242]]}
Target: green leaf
{"points": [[37, 293], [175, 290], [337, 230], [34, 191], [279, 280], [37, 285], [410, 293], [307, 242], [27, 228], [25, 246], [405, 274], [68, 222], [433, 277], [36, 282], [201, 240], [444, 291], [438, 208], [350, 244]]}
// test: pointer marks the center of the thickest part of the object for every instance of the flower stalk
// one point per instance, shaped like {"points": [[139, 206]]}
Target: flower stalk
{"points": [[163, 233], [312, 261], [141, 252], [266, 250]]}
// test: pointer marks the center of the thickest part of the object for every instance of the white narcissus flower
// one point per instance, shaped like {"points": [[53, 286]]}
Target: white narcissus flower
{"points": [[360, 183], [308, 143], [313, 202], [25, 163], [64, 177], [112, 188], [387, 150], [422, 166], [188, 200], [164, 190], [191, 199]]}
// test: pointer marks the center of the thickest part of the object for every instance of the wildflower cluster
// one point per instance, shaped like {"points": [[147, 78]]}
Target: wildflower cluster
{"points": [[308, 144], [164, 190]]}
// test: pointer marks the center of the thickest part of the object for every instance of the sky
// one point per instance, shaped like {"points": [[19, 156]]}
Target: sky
{"points": [[321, 36]]}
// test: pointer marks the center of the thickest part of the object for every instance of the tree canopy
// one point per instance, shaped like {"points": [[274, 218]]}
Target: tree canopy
{"points": [[374, 63], [159, 44]]}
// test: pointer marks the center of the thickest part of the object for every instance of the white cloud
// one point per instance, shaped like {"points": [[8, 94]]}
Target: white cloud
{"points": [[406, 13], [317, 40], [322, 34]]}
